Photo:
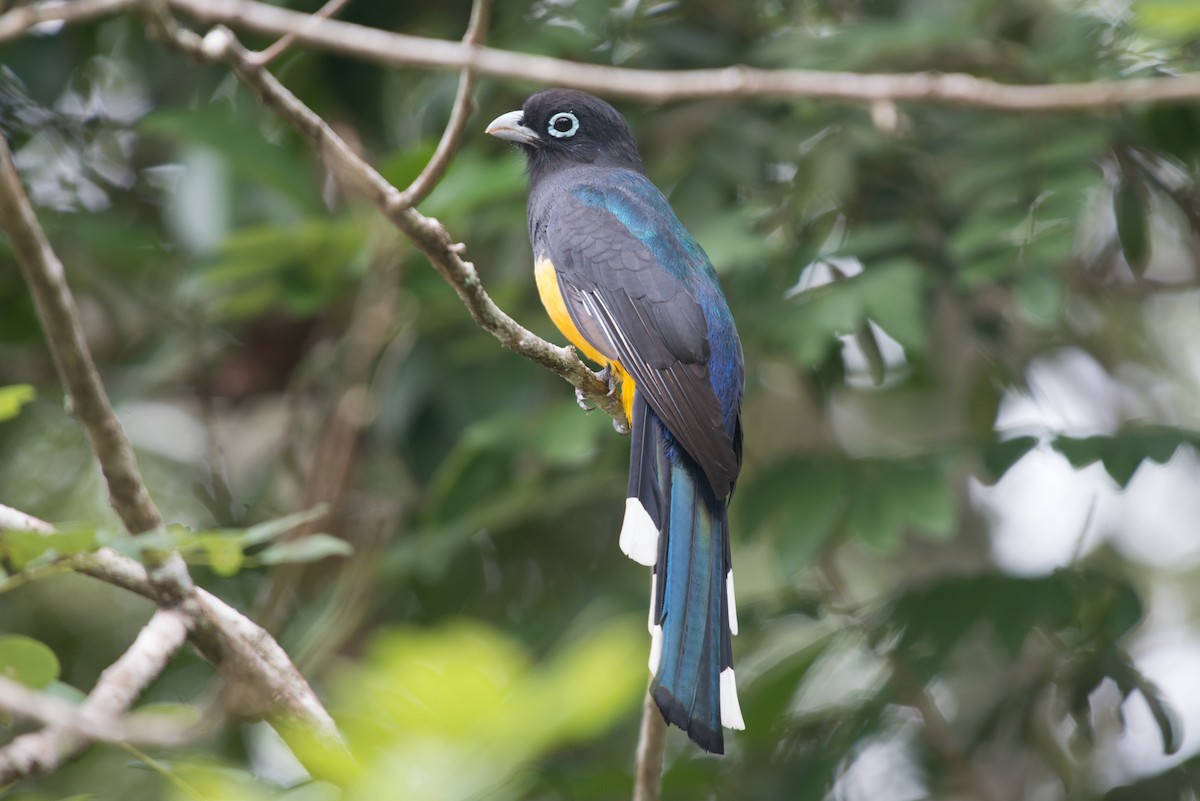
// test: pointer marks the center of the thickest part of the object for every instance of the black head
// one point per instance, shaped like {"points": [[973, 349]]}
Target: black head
{"points": [[562, 127]]}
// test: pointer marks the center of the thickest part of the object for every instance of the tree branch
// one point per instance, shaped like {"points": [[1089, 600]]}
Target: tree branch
{"points": [[429, 235], [651, 86], [119, 686], [464, 104], [17, 21], [652, 742], [15, 520], [660, 86], [59, 318], [269, 54], [25, 702], [251, 662]]}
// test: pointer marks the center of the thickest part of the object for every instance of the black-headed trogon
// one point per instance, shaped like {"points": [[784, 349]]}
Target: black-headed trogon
{"points": [[632, 289]]}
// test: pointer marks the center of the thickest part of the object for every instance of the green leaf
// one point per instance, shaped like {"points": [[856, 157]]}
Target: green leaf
{"points": [[891, 497], [297, 267], [13, 397], [23, 547], [799, 504], [1171, 19], [1133, 224], [312, 548], [28, 661], [239, 139], [1122, 453], [265, 532], [225, 553], [999, 457], [1041, 297], [1088, 606]]}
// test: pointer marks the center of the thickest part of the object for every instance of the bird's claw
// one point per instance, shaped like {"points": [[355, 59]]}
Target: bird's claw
{"points": [[606, 375], [621, 426], [583, 401]]}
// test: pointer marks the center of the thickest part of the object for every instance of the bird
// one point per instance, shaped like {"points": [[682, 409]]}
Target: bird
{"points": [[633, 291]]}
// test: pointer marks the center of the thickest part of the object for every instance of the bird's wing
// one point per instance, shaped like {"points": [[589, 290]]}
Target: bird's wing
{"points": [[626, 270]]}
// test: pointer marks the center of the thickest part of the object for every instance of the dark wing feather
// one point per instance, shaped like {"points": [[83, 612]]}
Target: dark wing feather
{"points": [[632, 308]]}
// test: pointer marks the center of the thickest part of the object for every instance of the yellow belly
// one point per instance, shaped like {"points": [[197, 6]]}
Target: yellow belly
{"points": [[556, 307]]}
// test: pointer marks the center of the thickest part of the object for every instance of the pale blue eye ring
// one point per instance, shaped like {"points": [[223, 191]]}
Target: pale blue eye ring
{"points": [[562, 125]]}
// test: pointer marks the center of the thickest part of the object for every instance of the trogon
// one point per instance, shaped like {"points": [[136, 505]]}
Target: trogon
{"points": [[633, 291]]}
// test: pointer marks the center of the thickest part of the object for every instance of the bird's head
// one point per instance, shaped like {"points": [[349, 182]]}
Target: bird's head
{"points": [[562, 127]]}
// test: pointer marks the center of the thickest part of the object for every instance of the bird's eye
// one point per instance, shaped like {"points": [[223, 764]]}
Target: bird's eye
{"points": [[563, 124]]}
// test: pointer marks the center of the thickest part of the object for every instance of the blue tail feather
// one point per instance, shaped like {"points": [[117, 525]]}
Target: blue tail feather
{"points": [[690, 580]]}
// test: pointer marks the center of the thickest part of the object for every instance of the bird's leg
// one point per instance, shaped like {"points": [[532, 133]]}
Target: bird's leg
{"points": [[605, 375]]}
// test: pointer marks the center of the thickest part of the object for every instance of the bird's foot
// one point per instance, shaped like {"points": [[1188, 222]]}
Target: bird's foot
{"points": [[605, 375], [620, 425], [583, 401]]}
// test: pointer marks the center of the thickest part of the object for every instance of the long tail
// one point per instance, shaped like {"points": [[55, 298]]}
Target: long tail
{"points": [[674, 524]]}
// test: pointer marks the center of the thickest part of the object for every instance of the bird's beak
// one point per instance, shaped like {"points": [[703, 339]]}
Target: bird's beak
{"points": [[509, 126]]}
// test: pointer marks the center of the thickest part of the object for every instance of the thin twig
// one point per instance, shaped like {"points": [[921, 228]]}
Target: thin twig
{"points": [[119, 686], [429, 235], [47, 281], [16, 520], [650, 86], [269, 54], [17, 21], [660, 86], [464, 103], [246, 656], [652, 742], [24, 702]]}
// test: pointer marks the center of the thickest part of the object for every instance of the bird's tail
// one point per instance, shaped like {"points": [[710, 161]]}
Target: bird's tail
{"points": [[673, 523]]}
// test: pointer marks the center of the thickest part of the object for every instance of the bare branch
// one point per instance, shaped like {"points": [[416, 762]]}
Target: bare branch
{"points": [[267, 55], [464, 103], [650, 86], [652, 741], [245, 655], [24, 702], [660, 86], [47, 282], [20, 20], [429, 235], [15, 520], [46, 278], [119, 686]]}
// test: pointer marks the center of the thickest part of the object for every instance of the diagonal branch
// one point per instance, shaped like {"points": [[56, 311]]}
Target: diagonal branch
{"points": [[25, 702], [269, 54], [246, 656], [119, 686], [47, 281], [429, 235], [16, 22], [424, 183]]}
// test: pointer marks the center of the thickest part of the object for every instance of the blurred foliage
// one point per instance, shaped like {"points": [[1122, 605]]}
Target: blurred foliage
{"points": [[906, 292]]}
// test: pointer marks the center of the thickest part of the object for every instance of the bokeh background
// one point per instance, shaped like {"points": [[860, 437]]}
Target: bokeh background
{"points": [[966, 531]]}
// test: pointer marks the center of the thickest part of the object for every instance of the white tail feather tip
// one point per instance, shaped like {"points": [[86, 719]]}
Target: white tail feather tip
{"points": [[639, 535], [731, 602], [731, 710], [650, 621], [656, 636]]}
